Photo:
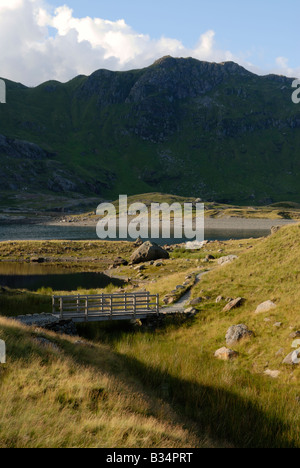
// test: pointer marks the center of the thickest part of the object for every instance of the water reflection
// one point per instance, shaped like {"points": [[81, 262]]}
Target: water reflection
{"points": [[34, 277]]}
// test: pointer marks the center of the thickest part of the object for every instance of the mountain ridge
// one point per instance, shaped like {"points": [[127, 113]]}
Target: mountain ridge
{"points": [[215, 131]]}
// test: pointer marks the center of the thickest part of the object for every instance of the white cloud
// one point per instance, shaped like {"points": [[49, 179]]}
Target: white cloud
{"points": [[283, 68], [38, 44]]}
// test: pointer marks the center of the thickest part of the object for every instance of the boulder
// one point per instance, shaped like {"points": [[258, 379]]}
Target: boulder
{"points": [[265, 307], [237, 333], [225, 354], [196, 301], [292, 358], [226, 260], [147, 252], [275, 229], [234, 304]]}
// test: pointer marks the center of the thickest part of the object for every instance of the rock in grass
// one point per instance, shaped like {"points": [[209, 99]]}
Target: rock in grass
{"points": [[226, 260], [196, 301], [293, 358], [225, 354], [265, 307], [233, 304], [272, 373], [275, 229], [236, 333], [219, 299], [295, 335], [147, 252]]}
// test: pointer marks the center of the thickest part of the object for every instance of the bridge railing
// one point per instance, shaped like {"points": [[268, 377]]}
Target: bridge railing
{"points": [[105, 306]]}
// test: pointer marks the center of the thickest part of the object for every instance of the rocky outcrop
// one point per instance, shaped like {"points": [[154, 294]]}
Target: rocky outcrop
{"points": [[22, 149]]}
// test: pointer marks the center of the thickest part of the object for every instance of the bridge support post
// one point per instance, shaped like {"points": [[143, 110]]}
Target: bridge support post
{"points": [[134, 306], [61, 308], [86, 308]]}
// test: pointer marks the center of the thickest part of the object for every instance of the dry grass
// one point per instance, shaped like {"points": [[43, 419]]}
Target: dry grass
{"points": [[80, 396]]}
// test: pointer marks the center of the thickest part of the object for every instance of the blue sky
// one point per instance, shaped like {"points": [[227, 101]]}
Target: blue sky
{"points": [[259, 29], [42, 40]]}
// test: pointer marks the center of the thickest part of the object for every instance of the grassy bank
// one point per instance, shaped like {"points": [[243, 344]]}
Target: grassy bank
{"points": [[162, 387]]}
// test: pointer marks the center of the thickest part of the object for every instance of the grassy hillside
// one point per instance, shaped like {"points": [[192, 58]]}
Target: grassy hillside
{"points": [[181, 126], [159, 381]]}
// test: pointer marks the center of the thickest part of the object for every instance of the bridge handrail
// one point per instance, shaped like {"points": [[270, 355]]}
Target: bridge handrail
{"points": [[105, 305]]}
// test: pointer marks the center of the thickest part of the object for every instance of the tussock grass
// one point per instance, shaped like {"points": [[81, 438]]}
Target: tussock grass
{"points": [[80, 396]]}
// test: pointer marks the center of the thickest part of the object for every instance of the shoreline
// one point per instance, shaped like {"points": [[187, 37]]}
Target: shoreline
{"points": [[226, 223]]}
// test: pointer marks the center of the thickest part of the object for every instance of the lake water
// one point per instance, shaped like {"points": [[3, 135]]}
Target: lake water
{"points": [[40, 232], [33, 277]]}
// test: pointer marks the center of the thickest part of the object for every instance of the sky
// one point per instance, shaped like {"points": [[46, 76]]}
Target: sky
{"points": [[42, 40]]}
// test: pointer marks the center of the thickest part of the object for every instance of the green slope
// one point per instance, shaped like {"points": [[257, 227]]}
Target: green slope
{"points": [[214, 131]]}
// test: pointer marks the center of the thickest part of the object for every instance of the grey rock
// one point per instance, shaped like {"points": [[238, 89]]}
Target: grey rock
{"points": [[196, 301], [147, 252], [265, 307], [293, 358], [234, 304], [225, 354], [236, 333], [226, 260], [275, 229], [219, 299], [295, 335]]}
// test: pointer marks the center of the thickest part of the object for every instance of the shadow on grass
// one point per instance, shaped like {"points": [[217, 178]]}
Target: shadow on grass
{"points": [[217, 413], [112, 332], [220, 414]]}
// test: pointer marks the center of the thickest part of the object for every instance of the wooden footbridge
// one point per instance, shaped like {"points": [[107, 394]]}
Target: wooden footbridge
{"points": [[103, 307]]}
